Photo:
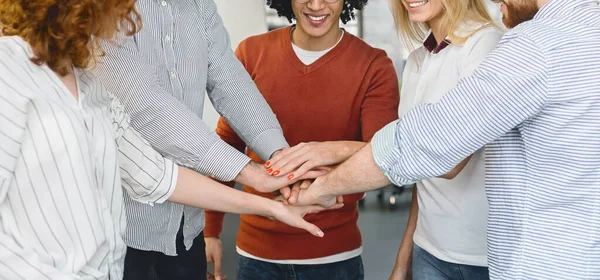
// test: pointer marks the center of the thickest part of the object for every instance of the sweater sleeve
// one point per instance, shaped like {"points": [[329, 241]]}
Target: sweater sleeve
{"points": [[380, 105]]}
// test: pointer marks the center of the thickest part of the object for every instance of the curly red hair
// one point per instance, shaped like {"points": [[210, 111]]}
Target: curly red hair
{"points": [[67, 32]]}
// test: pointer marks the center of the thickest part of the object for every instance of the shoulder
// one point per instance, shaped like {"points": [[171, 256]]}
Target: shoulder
{"points": [[487, 35], [17, 72], [263, 41], [361, 48], [14, 52]]}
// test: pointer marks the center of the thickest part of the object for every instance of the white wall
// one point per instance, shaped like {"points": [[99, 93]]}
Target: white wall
{"points": [[242, 18]]}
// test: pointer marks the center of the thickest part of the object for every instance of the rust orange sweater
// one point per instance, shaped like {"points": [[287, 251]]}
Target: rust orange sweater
{"points": [[348, 94]]}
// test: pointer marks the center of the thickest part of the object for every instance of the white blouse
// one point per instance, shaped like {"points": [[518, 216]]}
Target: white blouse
{"points": [[62, 164]]}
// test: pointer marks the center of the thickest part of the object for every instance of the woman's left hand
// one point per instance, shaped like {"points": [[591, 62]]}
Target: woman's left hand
{"points": [[302, 158], [294, 215]]}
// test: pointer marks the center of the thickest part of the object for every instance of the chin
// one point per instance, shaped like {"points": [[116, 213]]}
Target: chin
{"points": [[315, 32], [418, 18]]}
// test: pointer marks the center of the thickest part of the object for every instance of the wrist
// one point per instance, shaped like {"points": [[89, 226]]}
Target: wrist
{"points": [[272, 207], [318, 187], [250, 175]]}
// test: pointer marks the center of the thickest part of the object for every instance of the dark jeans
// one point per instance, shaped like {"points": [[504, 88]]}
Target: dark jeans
{"points": [[187, 265], [251, 269], [427, 267]]}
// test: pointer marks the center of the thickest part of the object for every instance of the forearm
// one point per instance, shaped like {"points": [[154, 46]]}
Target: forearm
{"points": [[404, 257], [199, 191], [357, 174], [345, 149], [169, 125]]}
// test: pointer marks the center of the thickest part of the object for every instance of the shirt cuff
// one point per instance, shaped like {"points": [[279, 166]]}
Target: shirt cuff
{"points": [[386, 153], [167, 185], [268, 142], [223, 162]]}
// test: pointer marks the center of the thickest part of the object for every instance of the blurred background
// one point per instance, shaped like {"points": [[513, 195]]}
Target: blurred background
{"points": [[383, 214]]}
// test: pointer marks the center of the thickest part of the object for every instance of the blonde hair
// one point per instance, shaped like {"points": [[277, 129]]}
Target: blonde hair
{"points": [[454, 14]]}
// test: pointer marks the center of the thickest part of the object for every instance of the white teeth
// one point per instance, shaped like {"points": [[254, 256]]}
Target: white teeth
{"points": [[316, 18], [418, 4]]}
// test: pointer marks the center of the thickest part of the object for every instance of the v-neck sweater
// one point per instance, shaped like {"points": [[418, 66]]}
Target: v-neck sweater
{"points": [[347, 94]]}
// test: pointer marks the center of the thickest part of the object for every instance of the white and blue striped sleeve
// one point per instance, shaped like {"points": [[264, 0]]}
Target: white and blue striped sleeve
{"points": [[171, 128], [146, 175], [14, 110], [509, 87], [234, 94]]}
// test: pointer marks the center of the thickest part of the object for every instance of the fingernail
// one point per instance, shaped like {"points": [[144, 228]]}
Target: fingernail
{"points": [[276, 173], [267, 163], [269, 170], [291, 176], [320, 233]]}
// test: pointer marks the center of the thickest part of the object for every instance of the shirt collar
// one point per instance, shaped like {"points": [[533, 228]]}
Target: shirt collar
{"points": [[432, 46], [557, 8]]}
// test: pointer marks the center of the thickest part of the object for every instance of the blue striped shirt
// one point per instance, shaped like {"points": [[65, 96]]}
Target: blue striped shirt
{"points": [[160, 74], [535, 102]]}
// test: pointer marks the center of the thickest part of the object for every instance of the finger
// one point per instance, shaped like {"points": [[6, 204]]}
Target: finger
{"points": [[307, 166], [295, 163], [323, 168], [285, 192], [313, 174], [339, 199], [314, 230], [337, 205], [275, 168], [294, 194], [311, 209], [305, 184], [217, 271], [285, 152], [209, 276]]}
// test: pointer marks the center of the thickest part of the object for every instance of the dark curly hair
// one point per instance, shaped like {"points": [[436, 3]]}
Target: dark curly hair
{"points": [[284, 8]]}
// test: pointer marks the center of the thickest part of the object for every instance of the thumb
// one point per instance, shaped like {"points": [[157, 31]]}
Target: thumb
{"points": [[285, 192]]}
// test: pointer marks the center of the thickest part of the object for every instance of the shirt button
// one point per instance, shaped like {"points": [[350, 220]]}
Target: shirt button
{"points": [[167, 38], [164, 3], [187, 226], [173, 75]]}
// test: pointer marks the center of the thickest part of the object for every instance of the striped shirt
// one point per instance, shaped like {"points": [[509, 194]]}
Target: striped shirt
{"points": [[536, 100], [160, 75], [62, 164]]}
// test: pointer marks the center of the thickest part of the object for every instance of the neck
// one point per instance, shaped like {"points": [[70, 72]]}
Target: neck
{"points": [[306, 42], [436, 29]]}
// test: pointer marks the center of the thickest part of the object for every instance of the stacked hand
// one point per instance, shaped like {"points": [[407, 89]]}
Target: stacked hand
{"points": [[288, 214], [303, 158]]}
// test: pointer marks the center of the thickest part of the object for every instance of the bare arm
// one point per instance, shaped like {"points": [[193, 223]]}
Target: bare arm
{"points": [[402, 268]]}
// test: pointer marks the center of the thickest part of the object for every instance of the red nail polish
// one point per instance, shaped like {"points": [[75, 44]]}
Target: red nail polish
{"points": [[276, 173], [267, 163], [269, 170], [291, 176]]}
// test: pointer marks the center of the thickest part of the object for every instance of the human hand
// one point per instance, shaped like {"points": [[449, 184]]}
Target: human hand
{"points": [[294, 191], [294, 215], [300, 159], [313, 195], [254, 175], [214, 254]]}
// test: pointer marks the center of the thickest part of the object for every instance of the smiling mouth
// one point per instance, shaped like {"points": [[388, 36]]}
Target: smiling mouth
{"points": [[418, 4], [316, 18]]}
